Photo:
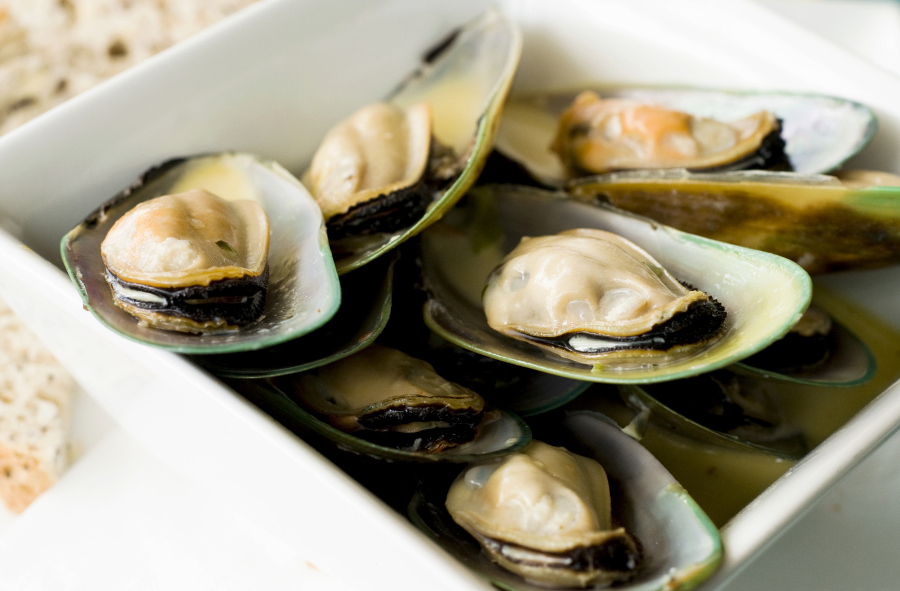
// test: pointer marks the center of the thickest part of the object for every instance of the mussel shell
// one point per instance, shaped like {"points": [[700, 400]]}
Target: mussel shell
{"points": [[465, 82], [545, 514], [681, 547], [849, 362], [821, 132], [501, 432], [366, 298], [763, 295], [708, 416], [816, 221], [303, 288]]}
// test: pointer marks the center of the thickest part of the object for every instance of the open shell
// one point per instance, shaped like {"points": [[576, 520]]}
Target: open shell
{"points": [[464, 85], [680, 545], [303, 287], [820, 132], [383, 395], [817, 221], [500, 433], [763, 295], [744, 409]]}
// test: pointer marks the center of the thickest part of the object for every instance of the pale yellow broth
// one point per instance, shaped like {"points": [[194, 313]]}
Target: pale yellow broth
{"points": [[724, 479], [819, 412]]}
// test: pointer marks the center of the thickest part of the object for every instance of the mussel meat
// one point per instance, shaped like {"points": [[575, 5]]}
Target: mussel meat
{"points": [[377, 170], [545, 514], [191, 262], [602, 135], [588, 294], [394, 167], [387, 397], [459, 254]]}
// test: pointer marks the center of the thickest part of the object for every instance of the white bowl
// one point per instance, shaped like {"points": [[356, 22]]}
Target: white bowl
{"points": [[272, 81]]}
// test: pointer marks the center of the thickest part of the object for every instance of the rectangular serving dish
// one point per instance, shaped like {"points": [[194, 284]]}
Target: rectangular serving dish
{"points": [[272, 81]]}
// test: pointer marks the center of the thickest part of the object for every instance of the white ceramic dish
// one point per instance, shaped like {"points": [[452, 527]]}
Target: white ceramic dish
{"points": [[269, 82], [117, 499]]}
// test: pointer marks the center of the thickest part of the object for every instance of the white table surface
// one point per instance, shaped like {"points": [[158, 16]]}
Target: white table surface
{"points": [[120, 519]]}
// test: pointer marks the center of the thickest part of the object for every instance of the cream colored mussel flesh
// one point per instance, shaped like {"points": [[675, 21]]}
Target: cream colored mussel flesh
{"points": [[389, 398], [376, 170], [191, 261], [588, 294], [545, 514], [601, 135]]}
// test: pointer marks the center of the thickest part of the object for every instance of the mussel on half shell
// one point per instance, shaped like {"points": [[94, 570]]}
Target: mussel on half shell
{"points": [[679, 546], [545, 514], [693, 125], [389, 398], [394, 167], [763, 295], [295, 302]]}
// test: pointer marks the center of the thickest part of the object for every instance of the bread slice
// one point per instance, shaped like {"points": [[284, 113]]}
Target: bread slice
{"points": [[35, 407], [51, 50]]}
